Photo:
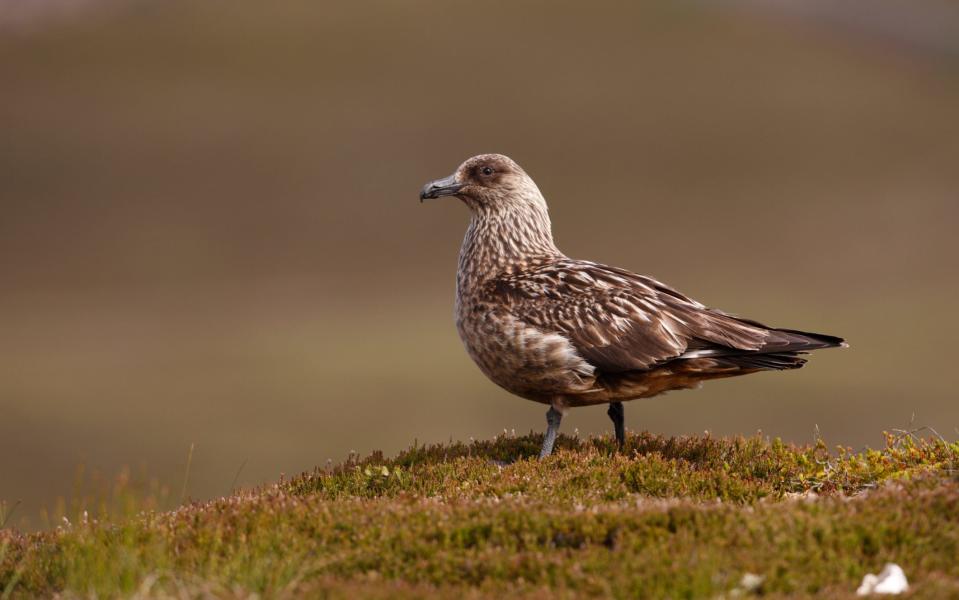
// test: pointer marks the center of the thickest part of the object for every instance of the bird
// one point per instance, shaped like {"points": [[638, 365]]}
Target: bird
{"points": [[569, 333]]}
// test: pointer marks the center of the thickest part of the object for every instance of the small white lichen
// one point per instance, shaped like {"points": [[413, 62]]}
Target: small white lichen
{"points": [[891, 580]]}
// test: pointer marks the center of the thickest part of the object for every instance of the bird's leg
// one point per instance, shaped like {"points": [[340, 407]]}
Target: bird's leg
{"points": [[617, 414], [553, 419]]}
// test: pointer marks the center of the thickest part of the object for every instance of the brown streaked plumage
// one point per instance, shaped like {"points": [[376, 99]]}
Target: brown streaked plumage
{"points": [[568, 332]]}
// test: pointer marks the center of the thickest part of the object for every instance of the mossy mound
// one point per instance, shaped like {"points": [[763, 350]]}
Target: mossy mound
{"points": [[665, 517]]}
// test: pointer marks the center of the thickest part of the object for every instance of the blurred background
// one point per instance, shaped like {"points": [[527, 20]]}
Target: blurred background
{"points": [[210, 232]]}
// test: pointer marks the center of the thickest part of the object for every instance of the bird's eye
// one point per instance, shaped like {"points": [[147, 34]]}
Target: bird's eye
{"points": [[487, 171]]}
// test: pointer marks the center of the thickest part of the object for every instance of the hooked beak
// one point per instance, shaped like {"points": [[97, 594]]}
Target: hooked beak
{"points": [[448, 186]]}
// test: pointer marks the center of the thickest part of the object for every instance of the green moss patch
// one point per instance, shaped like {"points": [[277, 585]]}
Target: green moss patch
{"points": [[667, 517]]}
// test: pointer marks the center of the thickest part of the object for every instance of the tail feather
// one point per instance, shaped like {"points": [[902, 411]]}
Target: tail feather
{"points": [[781, 349], [775, 361], [792, 340]]}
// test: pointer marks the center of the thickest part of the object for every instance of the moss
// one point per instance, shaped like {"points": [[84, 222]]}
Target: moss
{"points": [[668, 517]]}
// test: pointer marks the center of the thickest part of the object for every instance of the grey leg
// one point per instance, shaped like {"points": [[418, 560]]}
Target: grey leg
{"points": [[617, 414], [553, 419]]}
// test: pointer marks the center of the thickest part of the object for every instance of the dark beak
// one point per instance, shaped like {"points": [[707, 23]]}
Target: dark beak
{"points": [[448, 186]]}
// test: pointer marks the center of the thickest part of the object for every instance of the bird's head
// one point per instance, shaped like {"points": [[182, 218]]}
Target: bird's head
{"points": [[488, 183]]}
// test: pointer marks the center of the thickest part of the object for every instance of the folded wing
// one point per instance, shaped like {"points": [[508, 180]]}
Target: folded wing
{"points": [[619, 321]]}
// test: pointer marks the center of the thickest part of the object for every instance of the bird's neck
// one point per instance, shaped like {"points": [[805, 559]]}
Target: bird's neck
{"points": [[504, 242]]}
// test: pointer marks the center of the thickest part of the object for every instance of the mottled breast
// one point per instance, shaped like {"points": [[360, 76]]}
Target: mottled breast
{"points": [[526, 361]]}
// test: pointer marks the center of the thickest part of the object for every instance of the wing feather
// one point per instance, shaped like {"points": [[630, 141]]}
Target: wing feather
{"points": [[619, 321]]}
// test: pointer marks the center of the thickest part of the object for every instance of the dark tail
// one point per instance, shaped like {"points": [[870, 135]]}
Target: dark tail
{"points": [[781, 349], [784, 349], [776, 361]]}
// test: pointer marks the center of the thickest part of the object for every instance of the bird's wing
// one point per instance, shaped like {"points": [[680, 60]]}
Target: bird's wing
{"points": [[619, 321]]}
